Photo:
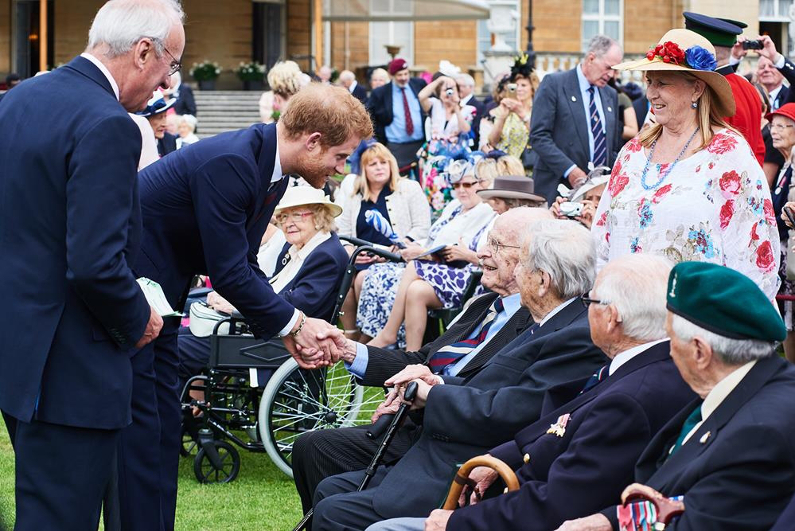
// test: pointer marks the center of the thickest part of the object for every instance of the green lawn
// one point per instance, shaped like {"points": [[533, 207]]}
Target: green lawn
{"points": [[260, 498]]}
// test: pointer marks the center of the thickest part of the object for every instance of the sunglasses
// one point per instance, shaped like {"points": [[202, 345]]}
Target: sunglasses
{"points": [[460, 184]]}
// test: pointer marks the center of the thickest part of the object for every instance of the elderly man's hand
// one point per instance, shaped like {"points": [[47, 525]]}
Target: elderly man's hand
{"points": [[437, 521], [484, 477], [389, 406], [152, 330], [576, 178], [412, 372], [595, 522], [318, 344], [738, 52], [768, 50]]}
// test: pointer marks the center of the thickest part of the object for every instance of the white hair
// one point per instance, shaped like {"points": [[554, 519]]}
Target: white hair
{"points": [[188, 119], [120, 24], [466, 79], [599, 45], [347, 75], [636, 285], [563, 249], [730, 351]]}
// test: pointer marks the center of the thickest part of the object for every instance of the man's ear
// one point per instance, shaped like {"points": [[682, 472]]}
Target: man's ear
{"points": [[143, 51], [312, 141], [702, 353]]}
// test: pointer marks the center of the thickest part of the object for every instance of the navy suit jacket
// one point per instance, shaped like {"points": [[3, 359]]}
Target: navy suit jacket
{"points": [[487, 409], [380, 106], [606, 432], [314, 288], [360, 93], [736, 471], [186, 102], [69, 229], [167, 144], [205, 208], [559, 130]]}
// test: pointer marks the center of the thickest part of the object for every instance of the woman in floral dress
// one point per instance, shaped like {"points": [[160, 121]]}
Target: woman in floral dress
{"points": [[689, 187]]}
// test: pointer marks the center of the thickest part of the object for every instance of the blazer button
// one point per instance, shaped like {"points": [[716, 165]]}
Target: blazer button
{"points": [[526, 458]]}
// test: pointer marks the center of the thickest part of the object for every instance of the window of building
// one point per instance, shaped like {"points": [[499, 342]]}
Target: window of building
{"points": [[400, 33], [512, 40], [602, 17], [774, 10]]}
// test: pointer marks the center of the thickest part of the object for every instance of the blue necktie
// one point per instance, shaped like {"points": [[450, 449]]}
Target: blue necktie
{"points": [[596, 378], [599, 140], [452, 353]]}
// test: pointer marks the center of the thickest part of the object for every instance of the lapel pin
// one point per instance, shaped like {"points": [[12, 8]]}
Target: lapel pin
{"points": [[573, 98], [559, 428], [704, 438], [609, 109]]}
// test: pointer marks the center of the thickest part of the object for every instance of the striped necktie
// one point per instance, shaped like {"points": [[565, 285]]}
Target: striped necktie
{"points": [[599, 140], [452, 353], [596, 378]]}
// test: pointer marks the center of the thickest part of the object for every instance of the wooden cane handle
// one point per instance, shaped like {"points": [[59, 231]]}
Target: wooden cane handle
{"points": [[462, 477], [666, 508]]}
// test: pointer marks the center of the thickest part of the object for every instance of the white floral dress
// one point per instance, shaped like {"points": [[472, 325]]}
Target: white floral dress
{"points": [[713, 207]]}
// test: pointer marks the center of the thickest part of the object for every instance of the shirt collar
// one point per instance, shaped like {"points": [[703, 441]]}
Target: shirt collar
{"points": [[627, 355], [352, 87], [310, 246], [724, 389], [277, 163], [557, 310], [464, 101], [104, 70], [512, 303], [773, 94], [582, 80]]}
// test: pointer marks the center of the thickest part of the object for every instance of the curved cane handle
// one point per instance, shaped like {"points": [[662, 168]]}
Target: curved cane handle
{"points": [[462, 477], [666, 508]]}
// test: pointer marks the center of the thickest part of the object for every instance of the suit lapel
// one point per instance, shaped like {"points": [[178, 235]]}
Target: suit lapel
{"points": [[464, 327], [516, 324], [709, 430], [609, 107], [571, 89]]}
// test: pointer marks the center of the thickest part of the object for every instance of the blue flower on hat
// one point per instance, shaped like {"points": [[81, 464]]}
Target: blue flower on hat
{"points": [[700, 59]]}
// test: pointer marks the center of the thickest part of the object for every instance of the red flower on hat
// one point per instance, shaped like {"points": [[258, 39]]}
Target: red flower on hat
{"points": [[669, 52], [726, 213], [730, 184], [764, 257], [722, 144]]}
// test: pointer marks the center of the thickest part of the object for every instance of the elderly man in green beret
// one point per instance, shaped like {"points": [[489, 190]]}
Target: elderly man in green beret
{"points": [[730, 453]]}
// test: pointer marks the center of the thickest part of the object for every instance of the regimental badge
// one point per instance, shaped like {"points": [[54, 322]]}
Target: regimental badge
{"points": [[672, 294], [559, 428]]}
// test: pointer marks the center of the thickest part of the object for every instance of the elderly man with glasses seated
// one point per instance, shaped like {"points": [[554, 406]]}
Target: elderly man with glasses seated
{"points": [[730, 452], [465, 418]]}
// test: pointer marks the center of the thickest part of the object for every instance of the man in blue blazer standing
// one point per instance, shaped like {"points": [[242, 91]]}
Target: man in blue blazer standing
{"points": [[205, 209], [69, 231]]}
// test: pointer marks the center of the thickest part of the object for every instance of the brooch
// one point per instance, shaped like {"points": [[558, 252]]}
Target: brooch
{"points": [[559, 428]]}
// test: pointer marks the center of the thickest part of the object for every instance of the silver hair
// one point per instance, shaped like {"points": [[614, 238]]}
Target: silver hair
{"points": [[347, 75], [730, 351], [599, 45], [565, 250], [120, 24], [466, 79], [636, 285]]}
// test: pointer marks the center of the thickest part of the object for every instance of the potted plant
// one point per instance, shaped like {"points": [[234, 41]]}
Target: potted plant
{"points": [[205, 73], [251, 74]]}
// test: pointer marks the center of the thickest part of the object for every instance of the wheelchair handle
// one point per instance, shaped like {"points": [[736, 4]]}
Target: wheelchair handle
{"points": [[462, 477]]}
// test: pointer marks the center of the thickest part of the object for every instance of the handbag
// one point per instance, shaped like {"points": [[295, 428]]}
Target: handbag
{"points": [[203, 320]]}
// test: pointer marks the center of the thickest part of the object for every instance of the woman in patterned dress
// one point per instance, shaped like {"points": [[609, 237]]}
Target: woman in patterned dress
{"points": [[392, 294], [689, 186]]}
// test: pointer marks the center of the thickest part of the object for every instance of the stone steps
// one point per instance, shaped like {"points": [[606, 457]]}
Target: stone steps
{"points": [[226, 110]]}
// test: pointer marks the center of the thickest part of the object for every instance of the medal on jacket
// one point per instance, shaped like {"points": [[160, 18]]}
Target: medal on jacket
{"points": [[559, 428]]}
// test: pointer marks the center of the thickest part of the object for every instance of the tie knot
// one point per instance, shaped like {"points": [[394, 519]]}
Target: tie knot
{"points": [[498, 306], [591, 89]]}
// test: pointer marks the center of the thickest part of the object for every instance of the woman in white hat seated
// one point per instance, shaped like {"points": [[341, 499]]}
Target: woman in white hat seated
{"points": [[689, 186], [308, 271]]}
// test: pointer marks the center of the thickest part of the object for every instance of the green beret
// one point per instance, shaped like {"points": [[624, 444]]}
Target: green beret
{"points": [[723, 301]]}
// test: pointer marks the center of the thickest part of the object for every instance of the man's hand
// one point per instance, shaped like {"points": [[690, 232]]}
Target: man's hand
{"points": [[389, 406], [768, 49], [577, 177], [218, 303], [422, 394], [152, 329], [738, 52], [318, 344], [483, 477], [412, 372], [437, 521], [595, 522]]}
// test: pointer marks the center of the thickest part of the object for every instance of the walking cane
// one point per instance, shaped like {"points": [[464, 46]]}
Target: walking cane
{"points": [[462, 478], [408, 396]]}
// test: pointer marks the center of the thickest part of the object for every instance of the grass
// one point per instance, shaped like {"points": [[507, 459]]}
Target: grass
{"points": [[261, 497]]}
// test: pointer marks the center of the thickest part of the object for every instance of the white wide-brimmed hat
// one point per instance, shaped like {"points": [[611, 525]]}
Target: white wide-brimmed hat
{"points": [[157, 104], [590, 184], [306, 195], [681, 50]]}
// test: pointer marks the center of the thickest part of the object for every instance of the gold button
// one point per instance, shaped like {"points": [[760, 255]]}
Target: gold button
{"points": [[526, 458]]}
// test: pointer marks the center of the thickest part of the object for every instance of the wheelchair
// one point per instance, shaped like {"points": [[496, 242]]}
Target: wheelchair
{"points": [[257, 398]]}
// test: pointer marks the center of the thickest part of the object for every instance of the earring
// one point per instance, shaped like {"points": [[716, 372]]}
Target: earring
{"points": [[317, 227], [694, 105]]}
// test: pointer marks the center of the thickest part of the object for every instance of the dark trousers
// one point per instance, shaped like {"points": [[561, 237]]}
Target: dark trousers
{"points": [[61, 474], [405, 153], [320, 454], [148, 456], [338, 507]]}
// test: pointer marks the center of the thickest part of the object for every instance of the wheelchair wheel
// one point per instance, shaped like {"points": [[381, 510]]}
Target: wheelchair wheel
{"points": [[223, 470], [296, 401]]}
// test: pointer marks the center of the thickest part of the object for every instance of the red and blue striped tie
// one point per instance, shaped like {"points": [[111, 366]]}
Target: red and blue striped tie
{"points": [[452, 353]]}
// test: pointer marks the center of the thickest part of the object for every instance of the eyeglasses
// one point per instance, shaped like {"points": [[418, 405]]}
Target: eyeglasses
{"points": [[780, 127], [587, 301], [295, 217], [463, 185], [176, 64], [496, 246]]}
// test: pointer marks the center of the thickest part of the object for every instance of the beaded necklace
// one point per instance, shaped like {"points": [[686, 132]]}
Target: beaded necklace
{"points": [[664, 174]]}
